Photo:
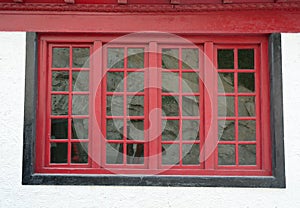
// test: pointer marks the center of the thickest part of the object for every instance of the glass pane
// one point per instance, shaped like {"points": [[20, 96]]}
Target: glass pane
{"points": [[190, 106], [190, 154], [170, 154], [79, 153], [190, 58], [170, 58], [170, 130], [60, 57], [226, 105], [135, 82], [135, 105], [190, 82], [246, 58], [114, 153], [60, 104], [114, 129], [60, 81], [226, 154], [246, 82], [135, 58], [80, 81], [170, 105], [136, 129], [115, 58], [190, 129], [247, 130], [225, 59], [135, 153], [226, 130], [59, 153], [114, 105], [170, 82], [80, 105], [80, 128], [247, 154], [81, 57], [114, 81], [247, 106], [226, 82], [59, 128]]}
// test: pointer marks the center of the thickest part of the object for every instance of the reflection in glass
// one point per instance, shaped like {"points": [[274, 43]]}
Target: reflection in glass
{"points": [[59, 153], [190, 58], [135, 82], [225, 59], [80, 105], [170, 105], [226, 106], [190, 129], [135, 130], [114, 81], [135, 153], [246, 58], [60, 81], [170, 130], [135, 105], [190, 154], [247, 130], [190, 106], [247, 154], [114, 153], [190, 82], [226, 154], [246, 106], [170, 82], [79, 153], [170, 58], [226, 130], [60, 57], [115, 58], [60, 104], [80, 128], [80, 81], [170, 154], [114, 129], [59, 128], [81, 57], [246, 82], [135, 59], [226, 82], [114, 105]]}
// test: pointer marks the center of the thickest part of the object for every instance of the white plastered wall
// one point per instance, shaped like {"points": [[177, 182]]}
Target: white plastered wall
{"points": [[13, 194]]}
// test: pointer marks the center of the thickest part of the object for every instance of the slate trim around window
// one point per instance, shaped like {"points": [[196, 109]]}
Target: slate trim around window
{"points": [[276, 107]]}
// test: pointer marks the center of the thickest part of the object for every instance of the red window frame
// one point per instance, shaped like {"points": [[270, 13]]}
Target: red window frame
{"points": [[208, 106]]}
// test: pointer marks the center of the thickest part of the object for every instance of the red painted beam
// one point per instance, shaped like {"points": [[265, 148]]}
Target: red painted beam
{"points": [[70, 1], [122, 1], [18, 1], [175, 2]]}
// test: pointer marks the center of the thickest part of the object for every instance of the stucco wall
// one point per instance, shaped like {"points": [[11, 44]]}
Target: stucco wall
{"points": [[13, 194]]}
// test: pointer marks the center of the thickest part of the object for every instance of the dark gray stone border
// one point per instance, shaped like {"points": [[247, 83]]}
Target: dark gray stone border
{"points": [[276, 107]]}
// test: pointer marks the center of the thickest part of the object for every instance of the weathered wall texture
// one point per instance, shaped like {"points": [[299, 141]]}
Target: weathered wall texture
{"points": [[13, 194]]}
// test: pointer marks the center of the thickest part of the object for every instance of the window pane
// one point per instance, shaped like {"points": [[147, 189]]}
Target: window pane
{"points": [[247, 130], [114, 129], [246, 58], [115, 82], [246, 82], [190, 129], [170, 105], [135, 153], [170, 58], [135, 105], [170, 154], [60, 81], [59, 128], [190, 106], [135, 58], [170, 130], [114, 105], [190, 82], [79, 152], [226, 130], [226, 82], [115, 58], [246, 106], [59, 153], [170, 82], [80, 81], [225, 59], [80, 128], [60, 57], [136, 129], [80, 105], [226, 154], [190, 154], [226, 106], [81, 57], [247, 154], [190, 58], [60, 104], [114, 153], [135, 82]]}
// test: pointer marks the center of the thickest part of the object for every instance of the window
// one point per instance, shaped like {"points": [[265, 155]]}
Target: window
{"points": [[154, 105]]}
